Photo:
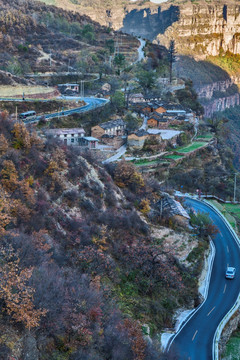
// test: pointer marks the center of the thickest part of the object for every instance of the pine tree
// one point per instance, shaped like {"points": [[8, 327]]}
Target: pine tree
{"points": [[171, 58]]}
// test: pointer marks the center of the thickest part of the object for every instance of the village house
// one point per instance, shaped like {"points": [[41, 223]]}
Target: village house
{"points": [[74, 137], [112, 127], [154, 107], [136, 98], [88, 141], [156, 120], [176, 110], [68, 136], [111, 133], [63, 88], [136, 140], [167, 135]]}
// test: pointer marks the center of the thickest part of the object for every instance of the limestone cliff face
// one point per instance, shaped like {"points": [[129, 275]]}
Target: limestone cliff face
{"points": [[207, 91], [221, 104], [205, 29]]}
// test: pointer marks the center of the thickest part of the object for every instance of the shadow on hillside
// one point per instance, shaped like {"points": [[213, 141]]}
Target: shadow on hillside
{"points": [[200, 72], [143, 23]]}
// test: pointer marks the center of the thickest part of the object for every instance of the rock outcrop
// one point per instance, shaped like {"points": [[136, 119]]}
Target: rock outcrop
{"points": [[207, 91], [228, 330], [221, 104], [203, 28]]}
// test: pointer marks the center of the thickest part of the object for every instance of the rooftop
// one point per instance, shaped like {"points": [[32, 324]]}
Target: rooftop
{"points": [[165, 134], [158, 117], [112, 123], [90, 138], [65, 131], [68, 84], [140, 133]]}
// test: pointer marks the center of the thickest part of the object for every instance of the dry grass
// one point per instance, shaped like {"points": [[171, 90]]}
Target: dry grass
{"points": [[180, 244], [7, 91]]}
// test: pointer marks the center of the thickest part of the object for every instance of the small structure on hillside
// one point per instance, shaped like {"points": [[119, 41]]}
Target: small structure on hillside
{"points": [[68, 88], [157, 120], [166, 135], [169, 208], [175, 110], [74, 136], [113, 127], [106, 88], [136, 139], [112, 133], [154, 107], [68, 136], [136, 98], [89, 141]]}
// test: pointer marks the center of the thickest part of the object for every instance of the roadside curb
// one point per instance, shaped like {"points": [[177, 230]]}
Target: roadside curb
{"points": [[194, 311], [205, 295], [227, 317]]}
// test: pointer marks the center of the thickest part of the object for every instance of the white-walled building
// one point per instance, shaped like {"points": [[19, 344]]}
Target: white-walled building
{"points": [[68, 136]]}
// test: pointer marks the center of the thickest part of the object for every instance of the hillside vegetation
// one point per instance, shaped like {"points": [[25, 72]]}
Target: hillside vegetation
{"points": [[37, 37], [85, 269]]}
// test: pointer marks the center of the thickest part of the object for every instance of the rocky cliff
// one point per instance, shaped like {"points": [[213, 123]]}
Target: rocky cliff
{"points": [[208, 91], [221, 104], [204, 28]]}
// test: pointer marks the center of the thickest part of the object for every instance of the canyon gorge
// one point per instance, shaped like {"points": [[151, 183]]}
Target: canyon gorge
{"points": [[200, 30]]}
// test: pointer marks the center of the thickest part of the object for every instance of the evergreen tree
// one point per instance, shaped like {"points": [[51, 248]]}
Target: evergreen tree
{"points": [[171, 58]]}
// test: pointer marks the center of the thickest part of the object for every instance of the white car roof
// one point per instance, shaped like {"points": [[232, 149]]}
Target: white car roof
{"points": [[230, 268]]}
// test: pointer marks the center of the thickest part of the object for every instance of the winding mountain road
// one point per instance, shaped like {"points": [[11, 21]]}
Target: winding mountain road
{"points": [[91, 104], [195, 339]]}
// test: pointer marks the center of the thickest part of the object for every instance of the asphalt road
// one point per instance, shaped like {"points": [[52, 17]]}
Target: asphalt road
{"points": [[194, 341], [91, 104]]}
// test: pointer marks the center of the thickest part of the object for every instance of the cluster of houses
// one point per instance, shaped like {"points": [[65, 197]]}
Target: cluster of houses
{"points": [[156, 118]]}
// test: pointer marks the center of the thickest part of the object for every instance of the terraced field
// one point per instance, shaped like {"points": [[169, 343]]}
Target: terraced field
{"points": [[191, 147], [7, 91]]}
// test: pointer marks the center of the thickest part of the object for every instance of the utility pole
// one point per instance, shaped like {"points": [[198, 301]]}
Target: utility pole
{"points": [[68, 65], [116, 47], [235, 185], [82, 89]]}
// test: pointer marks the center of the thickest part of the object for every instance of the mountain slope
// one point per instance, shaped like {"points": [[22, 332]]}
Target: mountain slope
{"points": [[202, 28], [78, 255], [37, 37]]}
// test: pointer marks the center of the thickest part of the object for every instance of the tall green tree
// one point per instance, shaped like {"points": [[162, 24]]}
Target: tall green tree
{"points": [[118, 100], [110, 45], [171, 58], [147, 80], [119, 62]]}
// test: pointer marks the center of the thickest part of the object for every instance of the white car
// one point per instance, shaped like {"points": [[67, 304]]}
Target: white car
{"points": [[230, 272]]}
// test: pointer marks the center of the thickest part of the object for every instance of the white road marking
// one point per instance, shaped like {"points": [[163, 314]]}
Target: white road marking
{"points": [[227, 249], [194, 335], [211, 311], [225, 288]]}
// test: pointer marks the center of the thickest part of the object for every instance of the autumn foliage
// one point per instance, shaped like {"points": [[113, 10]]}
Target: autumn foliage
{"points": [[126, 175], [76, 257], [16, 292]]}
